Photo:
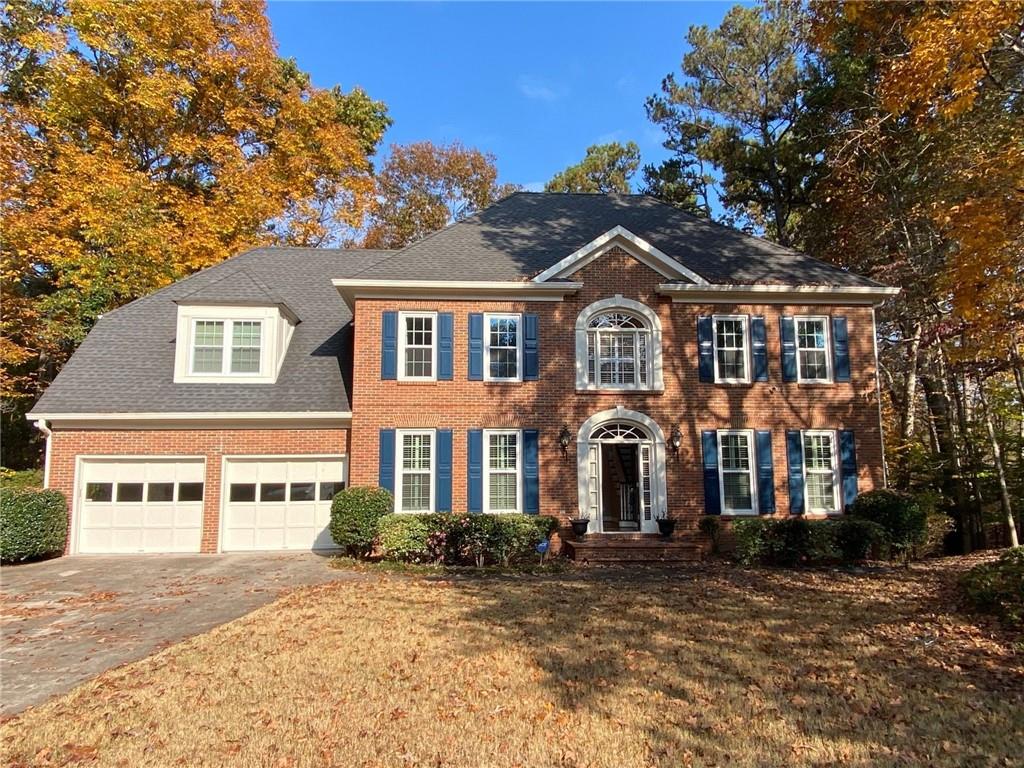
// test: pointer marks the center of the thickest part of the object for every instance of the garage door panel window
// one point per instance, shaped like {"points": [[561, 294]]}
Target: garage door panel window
{"points": [[161, 492], [99, 492], [330, 489], [272, 492], [190, 491], [129, 491], [302, 492], [242, 492]]}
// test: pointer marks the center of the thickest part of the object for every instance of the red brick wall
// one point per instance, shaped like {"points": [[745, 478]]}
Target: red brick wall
{"points": [[552, 401], [67, 444]]}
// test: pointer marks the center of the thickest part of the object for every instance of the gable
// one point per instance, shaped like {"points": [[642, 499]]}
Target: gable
{"points": [[620, 238]]}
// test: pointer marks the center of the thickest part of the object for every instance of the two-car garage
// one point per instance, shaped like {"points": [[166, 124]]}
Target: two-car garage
{"points": [[151, 504]]}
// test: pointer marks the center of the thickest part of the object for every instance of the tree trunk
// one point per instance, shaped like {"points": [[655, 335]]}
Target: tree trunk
{"points": [[997, 457], [906, 407]]}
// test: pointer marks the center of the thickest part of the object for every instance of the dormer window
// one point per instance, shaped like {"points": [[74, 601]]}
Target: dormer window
{"points": [[618, 347], [236, 344], [210, 354]]}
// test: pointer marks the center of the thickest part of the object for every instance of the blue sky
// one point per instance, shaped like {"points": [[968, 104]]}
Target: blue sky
{"points": [[533, 83]]}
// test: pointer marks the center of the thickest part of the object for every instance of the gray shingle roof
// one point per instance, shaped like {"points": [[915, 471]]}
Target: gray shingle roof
{"points": [[126, 364], [527, 232]]}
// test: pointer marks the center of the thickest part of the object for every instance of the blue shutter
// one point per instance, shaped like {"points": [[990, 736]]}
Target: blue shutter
{"points": [[848, 462], [443, 472], [531, 350], [712, 495], [476, 346], [759, 348], [389, 345], [531, 472], [795, 459], [475, 470], [787, 330], [445, 343], [386, 460], [765, 472], [705, 349], [840, 349]]}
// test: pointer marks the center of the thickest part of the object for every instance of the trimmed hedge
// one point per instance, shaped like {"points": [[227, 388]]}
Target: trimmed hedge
{"points": [[903, 518], [33, 524], [998, 587], [355, 513], [795, 541], [460, 539]]}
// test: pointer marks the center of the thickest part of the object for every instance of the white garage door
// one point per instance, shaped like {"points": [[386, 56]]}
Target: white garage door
{"points": [[281, 503], [141, 505]]}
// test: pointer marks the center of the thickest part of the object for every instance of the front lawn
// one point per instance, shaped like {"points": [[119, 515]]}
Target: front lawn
{"points": [[714, 666]]}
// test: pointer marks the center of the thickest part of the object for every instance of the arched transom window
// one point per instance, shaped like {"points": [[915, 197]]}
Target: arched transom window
{"points": [[619, 431], [618, 350]]}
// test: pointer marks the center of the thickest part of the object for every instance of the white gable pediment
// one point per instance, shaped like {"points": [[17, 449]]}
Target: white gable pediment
{"points": [[636, 246]]}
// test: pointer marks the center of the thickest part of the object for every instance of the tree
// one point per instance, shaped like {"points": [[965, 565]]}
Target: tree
{"points": [[670, 183], [140, 142], [605, 168], [423, 187], [736, 109]]}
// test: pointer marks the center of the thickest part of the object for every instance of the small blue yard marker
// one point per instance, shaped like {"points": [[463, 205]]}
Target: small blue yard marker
{"points": [[542, 548]]}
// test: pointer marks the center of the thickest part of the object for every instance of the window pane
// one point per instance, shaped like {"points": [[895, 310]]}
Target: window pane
{"points": [[129, 491], [245, 360], [503, 347], [271, 491], [503, 492], [503, 451], [419, 331], [731, 364], [302, 492], [737, 491], [811, 334], [209, 333], [243, 492], [415, 492], [416, 452], [419, 361], [820, 492], [160, 492], [207, 360], [190, 491], [329, 489], [735, 452], [818, 452], [246, 334], [99, 491], [813, 365]]}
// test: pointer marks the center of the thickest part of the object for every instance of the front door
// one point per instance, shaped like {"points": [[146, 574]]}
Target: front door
{"points": [[619, 480]]}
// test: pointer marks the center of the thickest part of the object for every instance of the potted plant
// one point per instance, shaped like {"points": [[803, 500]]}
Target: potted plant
{"points": [[666, 527], [580, 525]]}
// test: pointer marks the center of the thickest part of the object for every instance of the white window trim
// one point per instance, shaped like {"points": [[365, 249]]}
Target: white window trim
{"points": [[402, 316], [400, 434], [747, 361], [488, 316], [836, 499], [228, 324], [752, 473], [825, 321], [487, 471], [655, 373]]}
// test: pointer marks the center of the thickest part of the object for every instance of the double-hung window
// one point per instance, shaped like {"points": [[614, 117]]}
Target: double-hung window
{"points": [[732, 348], [503, 461], [225, 347], [414, 486], [617, 351], [502, 347], [812, 350], [820, 475], [736, 472], [417, 346]]}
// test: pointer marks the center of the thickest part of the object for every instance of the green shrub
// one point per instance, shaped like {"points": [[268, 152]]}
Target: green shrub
{"points": [[900, 514], [355, 513], [794, 541], [461, 539], [32, 524], [998, 587], [19, 479], [856, 538], [711, 526]]}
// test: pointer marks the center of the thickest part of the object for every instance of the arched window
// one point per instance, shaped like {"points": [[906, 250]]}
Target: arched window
{"points": [[618, 346]]}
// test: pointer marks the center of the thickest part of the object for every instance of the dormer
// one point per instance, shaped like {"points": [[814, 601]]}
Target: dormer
{"points": [[234, 329]]}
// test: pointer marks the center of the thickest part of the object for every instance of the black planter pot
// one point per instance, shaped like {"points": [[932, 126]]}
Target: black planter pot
{"points": [[579, 527], [666, 527]]}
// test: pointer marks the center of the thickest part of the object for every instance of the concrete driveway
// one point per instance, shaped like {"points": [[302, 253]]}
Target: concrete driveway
{"points": [[64, 621]]}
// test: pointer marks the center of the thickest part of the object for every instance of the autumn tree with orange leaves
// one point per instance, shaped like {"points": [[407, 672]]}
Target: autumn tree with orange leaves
{"points": [[143, 141]]}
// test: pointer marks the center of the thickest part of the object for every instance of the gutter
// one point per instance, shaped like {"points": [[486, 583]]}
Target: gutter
{"points": [[42, 426], [456, 290], [867, 295]]}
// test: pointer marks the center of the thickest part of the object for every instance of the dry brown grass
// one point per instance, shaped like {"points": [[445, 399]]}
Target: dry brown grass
{"points": [[701, 667]]}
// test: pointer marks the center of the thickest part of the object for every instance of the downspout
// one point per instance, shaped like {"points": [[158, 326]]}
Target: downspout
{"points": [[878, 397], [42, 426]]}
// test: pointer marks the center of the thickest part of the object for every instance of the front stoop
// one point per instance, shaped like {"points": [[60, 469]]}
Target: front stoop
{"points": [[601, 549]]}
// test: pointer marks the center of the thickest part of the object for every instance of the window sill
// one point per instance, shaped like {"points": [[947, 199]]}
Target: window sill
{"points": [[619, 391]]}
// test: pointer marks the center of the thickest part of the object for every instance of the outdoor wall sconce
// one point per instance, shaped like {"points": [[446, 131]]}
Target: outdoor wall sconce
{"points": [[675, 440], [563, 440]]}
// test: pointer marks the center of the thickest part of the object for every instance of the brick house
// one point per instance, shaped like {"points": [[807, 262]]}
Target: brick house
{"points": [[598, 356]]}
